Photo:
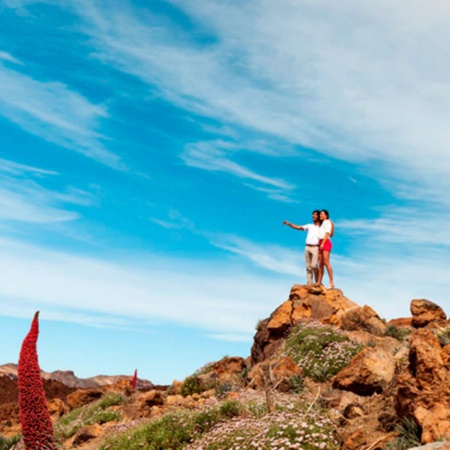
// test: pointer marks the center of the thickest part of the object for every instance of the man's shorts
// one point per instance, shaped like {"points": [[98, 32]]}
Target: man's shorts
{"points": [[327, 246]]}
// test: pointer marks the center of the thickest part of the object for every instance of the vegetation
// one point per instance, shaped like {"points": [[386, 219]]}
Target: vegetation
{"points": [[320, 350], [37, 428], [191, 385], [408, 435], [8, 443], [243, 424], [397, 332], [443, 336], [97, 412]]}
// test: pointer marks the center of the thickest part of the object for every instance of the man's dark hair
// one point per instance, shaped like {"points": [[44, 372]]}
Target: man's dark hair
{"points": [[316, 211]]}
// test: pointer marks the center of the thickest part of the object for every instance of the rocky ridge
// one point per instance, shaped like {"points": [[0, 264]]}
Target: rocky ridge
{"points": [[400, 371]]}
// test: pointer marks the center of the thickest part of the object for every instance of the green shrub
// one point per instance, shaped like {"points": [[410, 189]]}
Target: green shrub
{"points": [[397, 332], [296, 383], [409, 434], [320, 350], [171, 431], [204, 420], [96, 412], [222, 389], [191, 385], [443, 336], [8, 443], [111, 399], [229, 409]]}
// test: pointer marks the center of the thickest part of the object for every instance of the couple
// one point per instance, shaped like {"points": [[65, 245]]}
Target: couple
{"points": [[318, 246]]}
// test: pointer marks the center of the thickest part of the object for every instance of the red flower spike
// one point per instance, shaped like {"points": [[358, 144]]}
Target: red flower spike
{"points": [[37, 428], [134, 380]]}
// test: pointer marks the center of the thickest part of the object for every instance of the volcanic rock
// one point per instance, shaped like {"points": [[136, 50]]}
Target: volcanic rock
{"points": [[425, 313], [371, 370], [305, 302]]}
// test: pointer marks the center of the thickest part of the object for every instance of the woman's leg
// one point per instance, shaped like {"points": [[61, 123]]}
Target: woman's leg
{"points": [[321, 266], [326, 263]]}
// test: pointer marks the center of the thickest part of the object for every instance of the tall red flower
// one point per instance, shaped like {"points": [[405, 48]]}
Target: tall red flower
{"points": [[37, 428], [134, 379]]}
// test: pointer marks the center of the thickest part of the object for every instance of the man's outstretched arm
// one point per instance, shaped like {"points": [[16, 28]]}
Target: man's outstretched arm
{"points": [[292, 225]]}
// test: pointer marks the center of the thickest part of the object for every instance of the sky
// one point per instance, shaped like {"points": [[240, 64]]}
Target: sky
{"points": [[150, 151]]}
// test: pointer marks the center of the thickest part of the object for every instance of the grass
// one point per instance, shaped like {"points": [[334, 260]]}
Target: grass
{"points": [[320, 350], [409, 434], [8, 443], [191, 385], [233, 425], [398, 333], [96, 412], [443, 336]]}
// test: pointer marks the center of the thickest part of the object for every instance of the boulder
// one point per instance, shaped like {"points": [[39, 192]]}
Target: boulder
{"points": [[305, 302], [370, 371], [425, 313], [424, 386], [152, 398], [83, 396], [57, 408], [363, 318], [87, 433]]}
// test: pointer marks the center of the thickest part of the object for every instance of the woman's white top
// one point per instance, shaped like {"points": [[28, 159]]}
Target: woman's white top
{"points": [[325, 228]]}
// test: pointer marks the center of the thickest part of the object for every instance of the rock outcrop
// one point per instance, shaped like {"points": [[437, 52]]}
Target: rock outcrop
{"points": [[426, 313], [424, 387], [305, 302]]}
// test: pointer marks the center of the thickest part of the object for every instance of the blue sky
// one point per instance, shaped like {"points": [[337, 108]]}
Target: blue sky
{"points": [[150, 151]]}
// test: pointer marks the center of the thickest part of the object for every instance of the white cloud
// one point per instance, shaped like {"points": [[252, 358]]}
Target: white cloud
{"points": [[73, 287], [54, 112], [364, 84], [24, 199], [213, 156], [7, 57]]}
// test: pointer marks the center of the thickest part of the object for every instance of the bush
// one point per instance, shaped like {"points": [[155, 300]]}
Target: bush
{"points": [[296, 383], [222, 389], [443, 336], [409, 434], [111, 399], [397, 332], [8, 443], [320, 350], [191, 385], [229, 409], [90, 414]]}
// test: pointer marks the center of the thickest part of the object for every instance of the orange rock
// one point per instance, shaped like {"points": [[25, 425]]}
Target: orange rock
{"points": [[371, 370], [425, 312], [305, 302], [83, 396]]}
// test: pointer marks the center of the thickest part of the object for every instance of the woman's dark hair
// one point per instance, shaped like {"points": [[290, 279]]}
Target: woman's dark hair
{"points": [[326, 213]]}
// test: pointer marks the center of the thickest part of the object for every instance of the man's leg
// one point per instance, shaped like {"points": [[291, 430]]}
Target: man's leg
{"points": [[308, 258], [315, 262]]}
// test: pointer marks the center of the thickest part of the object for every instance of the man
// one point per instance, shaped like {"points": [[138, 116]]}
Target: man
{"points": [[312, 246]]}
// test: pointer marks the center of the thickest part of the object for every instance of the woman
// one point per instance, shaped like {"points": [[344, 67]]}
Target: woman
{"points": [[326, 230]]}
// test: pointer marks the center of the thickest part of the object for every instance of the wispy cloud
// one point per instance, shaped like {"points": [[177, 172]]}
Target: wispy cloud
{"points": [[24, 199], [213, 156], [7, 57], [408, 227], [272, 257], [325, 82], [170, 290], [54, 112]]}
